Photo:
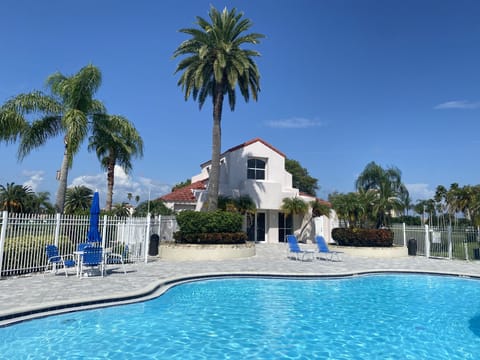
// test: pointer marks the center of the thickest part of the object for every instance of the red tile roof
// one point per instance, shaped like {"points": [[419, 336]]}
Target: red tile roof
{"points": [[186, 193], [321, 201]]}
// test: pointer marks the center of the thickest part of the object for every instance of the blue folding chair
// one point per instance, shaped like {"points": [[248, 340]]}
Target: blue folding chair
{"points": [[55, 260], [92, 257]]}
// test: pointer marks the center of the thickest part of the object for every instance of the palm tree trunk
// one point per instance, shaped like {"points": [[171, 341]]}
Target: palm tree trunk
{"points": [[110, 182], [62, 186], [214, 177]]}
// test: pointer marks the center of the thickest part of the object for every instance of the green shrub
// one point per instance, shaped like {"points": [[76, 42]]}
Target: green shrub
{"points": [[210, 238], [28, 252], [218, 227], [363, 237]]}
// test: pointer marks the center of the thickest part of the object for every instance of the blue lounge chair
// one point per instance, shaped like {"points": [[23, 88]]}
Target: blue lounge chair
{"points": [[92, 257], [324, 251], [295, 251], [54, 260]]}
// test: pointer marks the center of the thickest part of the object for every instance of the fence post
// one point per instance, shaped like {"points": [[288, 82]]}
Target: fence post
{"points": [[147, 238], [159, 231], [3, 234], [404, 235], [57, 229], [450, 248], [104, 231], [427, 242]]}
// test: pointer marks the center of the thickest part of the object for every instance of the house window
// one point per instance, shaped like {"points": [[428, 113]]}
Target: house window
{"points": [[256, 169]]}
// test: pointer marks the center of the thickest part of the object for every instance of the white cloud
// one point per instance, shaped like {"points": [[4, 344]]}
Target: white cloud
{"points": [[145, 188], [297, 123], [458, 104], [35, 178], [420, 191]]}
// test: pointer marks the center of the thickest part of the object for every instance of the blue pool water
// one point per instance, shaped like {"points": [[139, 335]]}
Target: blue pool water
{"points": [[366, 317]]}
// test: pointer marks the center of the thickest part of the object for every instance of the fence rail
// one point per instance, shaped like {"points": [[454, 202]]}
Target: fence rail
{"points": [[440, 242], [23, 237]]}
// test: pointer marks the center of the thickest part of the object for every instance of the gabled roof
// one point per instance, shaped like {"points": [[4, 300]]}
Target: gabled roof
{"points": [[252, 142], [245, 144], [186, 193]]}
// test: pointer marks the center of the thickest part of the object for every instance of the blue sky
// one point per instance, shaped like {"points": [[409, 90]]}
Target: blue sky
{"points": [[343, 83]]}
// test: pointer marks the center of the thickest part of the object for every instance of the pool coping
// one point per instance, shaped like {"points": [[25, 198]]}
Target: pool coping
{"points": [[159, 287]]}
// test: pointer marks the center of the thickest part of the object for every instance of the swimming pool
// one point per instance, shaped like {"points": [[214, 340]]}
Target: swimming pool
{"points": [[364, 317]]}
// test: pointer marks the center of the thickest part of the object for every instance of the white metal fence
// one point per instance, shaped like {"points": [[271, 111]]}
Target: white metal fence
{"points": [[23, 238], [439, 242]]}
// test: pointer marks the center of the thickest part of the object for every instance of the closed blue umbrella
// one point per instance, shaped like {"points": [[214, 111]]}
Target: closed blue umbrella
{"points": [[93, 232]]}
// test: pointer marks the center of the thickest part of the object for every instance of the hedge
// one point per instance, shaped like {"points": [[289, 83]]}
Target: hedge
{"points": [[218, 227], [363, 237]]}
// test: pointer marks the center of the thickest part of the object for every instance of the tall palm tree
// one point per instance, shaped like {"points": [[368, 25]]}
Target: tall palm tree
{"points": [[215, 64], [78, 200], [116, 141], [66, 111], [388, 187]]}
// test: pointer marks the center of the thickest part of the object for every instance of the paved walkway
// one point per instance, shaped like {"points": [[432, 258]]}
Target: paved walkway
{"points": [[23, 296]]}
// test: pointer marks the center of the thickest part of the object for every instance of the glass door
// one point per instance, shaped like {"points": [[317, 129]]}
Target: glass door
{"points": [[256, 227], [285, 226]]}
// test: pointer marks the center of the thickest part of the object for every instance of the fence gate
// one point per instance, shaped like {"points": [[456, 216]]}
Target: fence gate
{"points": [[439, 242]]}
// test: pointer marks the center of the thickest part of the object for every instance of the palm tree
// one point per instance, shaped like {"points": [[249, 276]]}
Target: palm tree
{"points": [[120, 210], [352, 208], [388, 187], [116, 141], [66, 111], [318, 209], [39, 203], [294, 206], [214, 65], [14, 198], [78, 200]]}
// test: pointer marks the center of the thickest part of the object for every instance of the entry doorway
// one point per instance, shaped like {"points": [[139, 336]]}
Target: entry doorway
{"points": [[256, 227], [285, 226]]}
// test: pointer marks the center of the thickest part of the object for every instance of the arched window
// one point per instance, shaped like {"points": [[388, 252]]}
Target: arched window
{"points": [[256, 169]]}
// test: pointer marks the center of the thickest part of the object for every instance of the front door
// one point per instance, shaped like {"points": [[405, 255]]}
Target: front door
{"points": [[285, 226], [256, 227]]}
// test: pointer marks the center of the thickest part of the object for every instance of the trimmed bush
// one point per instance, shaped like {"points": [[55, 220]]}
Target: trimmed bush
{"points": [[210, 238], [363, 237], [218, 227]]}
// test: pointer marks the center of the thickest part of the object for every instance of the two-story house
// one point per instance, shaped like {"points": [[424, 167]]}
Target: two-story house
{"points": [[256, 169]]}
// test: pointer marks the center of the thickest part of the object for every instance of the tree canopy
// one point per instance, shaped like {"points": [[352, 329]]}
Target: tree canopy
{"points": [[301, 179], [214, 64]]}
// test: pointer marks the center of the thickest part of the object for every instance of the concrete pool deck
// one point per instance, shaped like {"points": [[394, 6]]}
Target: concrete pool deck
{"points": [[33, 295]]}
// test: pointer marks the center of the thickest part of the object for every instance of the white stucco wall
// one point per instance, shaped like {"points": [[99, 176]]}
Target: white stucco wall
{"points": [[268, 193]]}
